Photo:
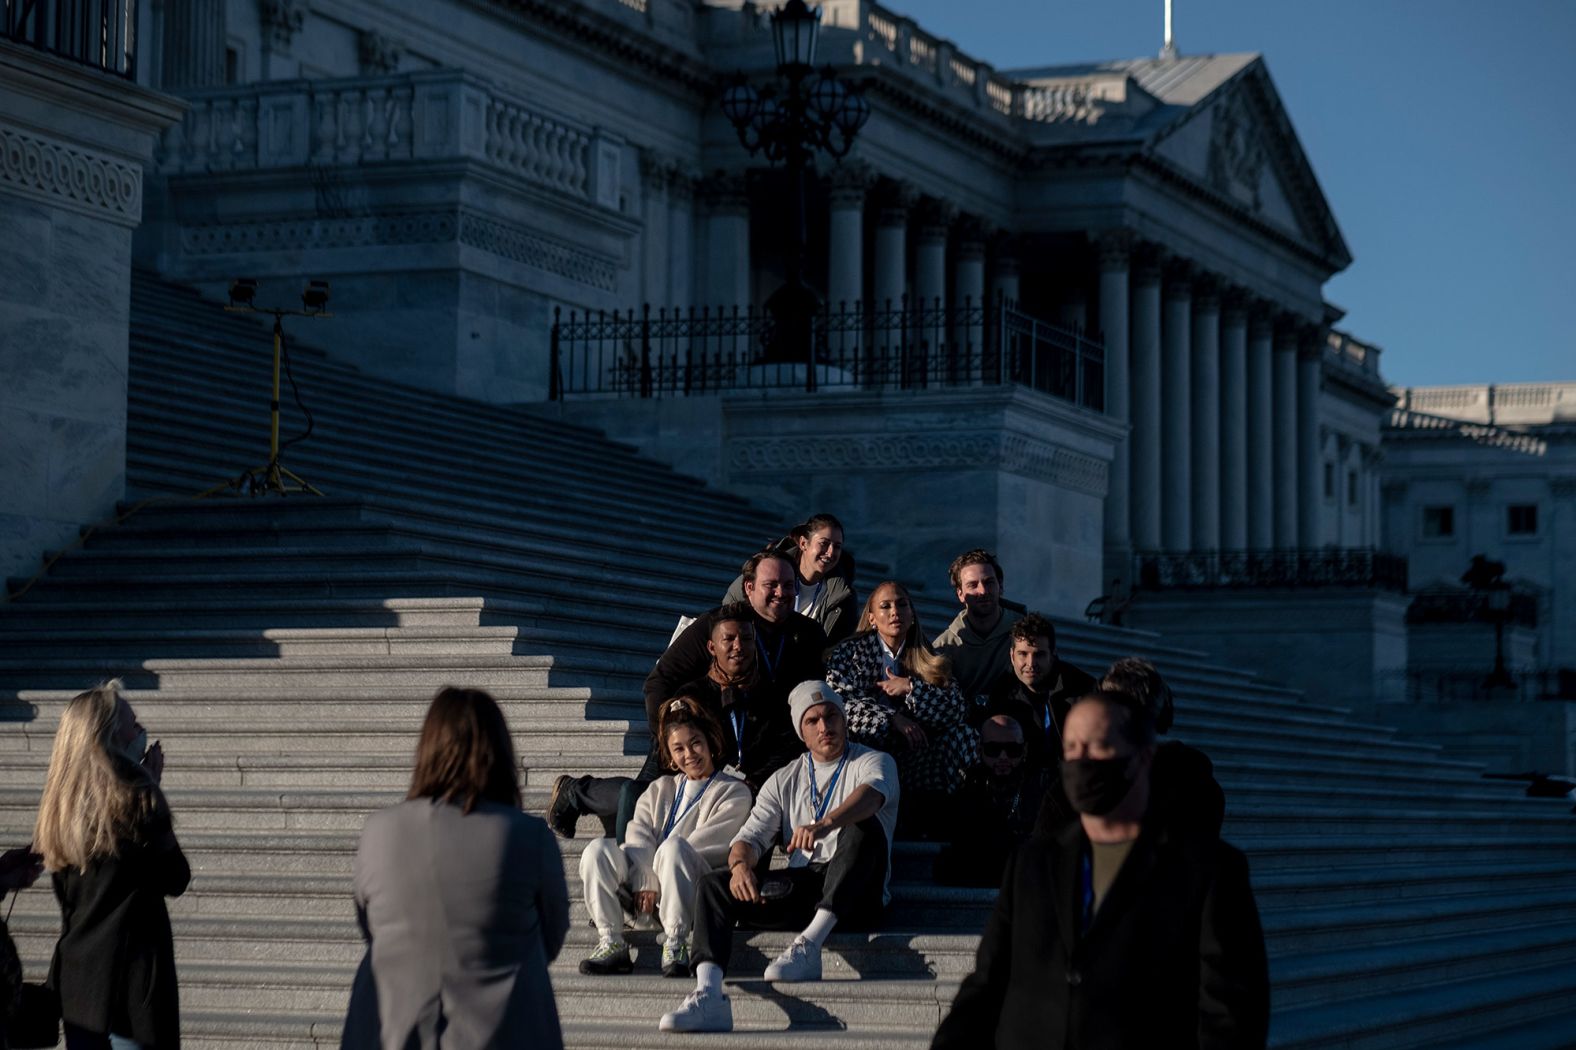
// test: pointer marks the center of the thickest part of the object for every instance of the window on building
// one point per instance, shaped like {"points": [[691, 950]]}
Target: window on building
{"points": [[1351, 488], [1521, 519], [1329, 481], [1439, 522]]}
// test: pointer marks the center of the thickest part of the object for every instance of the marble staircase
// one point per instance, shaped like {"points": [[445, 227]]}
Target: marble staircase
{"points": [[284, 650]]}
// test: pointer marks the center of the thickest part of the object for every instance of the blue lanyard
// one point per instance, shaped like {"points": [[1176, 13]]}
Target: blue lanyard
{"points": [[737, 716], [771, 662], [673, 813], [819, 803], [1086, 881]]}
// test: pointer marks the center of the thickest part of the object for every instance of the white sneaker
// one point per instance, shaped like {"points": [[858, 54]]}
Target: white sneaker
{"points": [[800, 961], [701, 1011]]}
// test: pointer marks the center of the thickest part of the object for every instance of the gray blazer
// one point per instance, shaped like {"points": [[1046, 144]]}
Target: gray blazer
{"points": [[462, 914]]}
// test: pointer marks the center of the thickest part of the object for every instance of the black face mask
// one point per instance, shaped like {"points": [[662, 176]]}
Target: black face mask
{"points": [[1096, 786]]}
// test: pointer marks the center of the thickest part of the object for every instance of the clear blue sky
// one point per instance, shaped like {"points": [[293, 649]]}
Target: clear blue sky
{"points": [[1442, 131]]}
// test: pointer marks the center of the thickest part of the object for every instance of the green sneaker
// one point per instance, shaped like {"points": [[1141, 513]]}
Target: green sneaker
{"points": [[609, 957], [675, 959]]}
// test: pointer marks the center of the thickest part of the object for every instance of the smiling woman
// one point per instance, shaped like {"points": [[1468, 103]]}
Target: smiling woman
{"points": [[824, 575]]}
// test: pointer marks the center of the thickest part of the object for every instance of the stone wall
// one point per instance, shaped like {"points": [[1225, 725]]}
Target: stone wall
{"points": [[72, 146]]}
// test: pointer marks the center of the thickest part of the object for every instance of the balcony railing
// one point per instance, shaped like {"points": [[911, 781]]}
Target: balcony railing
{"points": [[899, 347], [100, 34], [1361, 567]]}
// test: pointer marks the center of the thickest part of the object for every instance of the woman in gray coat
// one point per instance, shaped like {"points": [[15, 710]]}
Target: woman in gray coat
{"points": [[461, 898]]}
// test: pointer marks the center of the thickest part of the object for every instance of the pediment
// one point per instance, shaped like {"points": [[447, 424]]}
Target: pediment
{"points": [[1238, 142]]}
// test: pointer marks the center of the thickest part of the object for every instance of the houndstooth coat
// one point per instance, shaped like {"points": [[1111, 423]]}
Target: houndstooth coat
{"points": [[854, 667]]}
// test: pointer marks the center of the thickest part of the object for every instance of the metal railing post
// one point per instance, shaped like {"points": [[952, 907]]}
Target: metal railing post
{"points": [[645, 350], [554, 390]]}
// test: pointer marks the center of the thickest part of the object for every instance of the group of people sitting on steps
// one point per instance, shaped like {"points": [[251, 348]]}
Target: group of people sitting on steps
{"points": [[793, 718]]}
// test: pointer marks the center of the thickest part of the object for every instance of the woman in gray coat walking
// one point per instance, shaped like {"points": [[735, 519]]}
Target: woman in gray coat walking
{"points": [[461, 898]]}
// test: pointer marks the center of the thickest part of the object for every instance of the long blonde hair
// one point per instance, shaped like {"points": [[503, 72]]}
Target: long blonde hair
{"points": [[95, 796], [917, 658]]}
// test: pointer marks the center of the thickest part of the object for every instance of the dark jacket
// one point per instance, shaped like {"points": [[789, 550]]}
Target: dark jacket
{"points": [[114, 967], [836, 608], [1183, 794], [1173, 960], [769, 740], [786, 656], [1012, 697], [989, 819]]}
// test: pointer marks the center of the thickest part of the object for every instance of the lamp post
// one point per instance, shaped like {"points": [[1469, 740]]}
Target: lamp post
{"points": [[790, 123], [1497, 599]]}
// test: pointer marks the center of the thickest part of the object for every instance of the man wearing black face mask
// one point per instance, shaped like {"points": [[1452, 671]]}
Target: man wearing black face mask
{"points": [[1120, 932]]}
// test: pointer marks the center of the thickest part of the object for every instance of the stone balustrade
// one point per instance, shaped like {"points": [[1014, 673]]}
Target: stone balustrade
{"points": [[1505, 403], [356, 121], [1346, 351]]}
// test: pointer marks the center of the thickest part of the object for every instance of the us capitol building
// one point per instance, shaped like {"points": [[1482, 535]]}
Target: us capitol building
{"points": [[1075, 313]]}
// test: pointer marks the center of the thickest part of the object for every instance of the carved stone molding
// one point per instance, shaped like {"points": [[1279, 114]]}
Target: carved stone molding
{"points": [[1206, 294], [936, 216], [849, 184], [1115, 249], [378, 52], [281, 20], [506, 240], [657, 168], [682, 185], [1236, 157], [897, 199], [1179, 275], [70, 176], [726, 193], [1015, 453]]}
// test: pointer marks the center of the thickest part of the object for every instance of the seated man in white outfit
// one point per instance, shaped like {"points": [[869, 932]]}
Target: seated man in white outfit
{"points": [[681, 830], [833, 811]]}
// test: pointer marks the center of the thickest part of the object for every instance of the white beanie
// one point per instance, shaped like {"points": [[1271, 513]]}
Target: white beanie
{"points": [[806, 695]]}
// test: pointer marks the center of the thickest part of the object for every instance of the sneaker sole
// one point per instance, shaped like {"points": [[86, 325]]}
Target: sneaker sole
{"points": [[616, 970]]}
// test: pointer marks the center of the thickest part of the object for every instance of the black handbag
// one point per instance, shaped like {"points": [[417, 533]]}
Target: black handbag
{"points": [[33, 1019]]}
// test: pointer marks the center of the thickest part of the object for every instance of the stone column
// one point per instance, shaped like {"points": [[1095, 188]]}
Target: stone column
{"points": [[727, 241], [1176, 454], [1205, 380], [656, 171], [1115, 248], [1310, 458], [930, 253], [845, 263], [192, 50], [1284, 414], [280, 21], [1144, 408], [968, 298], [1233, 424], [891, 272], [1004, 273], [1261, 431], [681, 239]]}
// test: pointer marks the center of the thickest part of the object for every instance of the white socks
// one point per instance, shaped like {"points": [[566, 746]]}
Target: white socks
{"points": [[819, 927], [708, 977]]}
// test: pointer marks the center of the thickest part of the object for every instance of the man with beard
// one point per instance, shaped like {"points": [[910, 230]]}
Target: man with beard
{"points": [[978, 639], [1121, 932], [1038, 688], [788, 650]]}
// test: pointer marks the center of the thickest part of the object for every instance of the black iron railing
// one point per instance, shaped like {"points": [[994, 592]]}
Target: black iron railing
{"points": [[665, 353], [1471, 607], [1297, 567], [101, 34]]}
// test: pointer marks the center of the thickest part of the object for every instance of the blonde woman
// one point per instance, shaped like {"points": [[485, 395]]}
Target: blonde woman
{"points": [[902, 698], [681, 830], [105, 834]]}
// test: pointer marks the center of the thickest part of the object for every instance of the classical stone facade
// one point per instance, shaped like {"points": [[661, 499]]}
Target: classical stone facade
{"points": [[1490, 470], [72, 146]]}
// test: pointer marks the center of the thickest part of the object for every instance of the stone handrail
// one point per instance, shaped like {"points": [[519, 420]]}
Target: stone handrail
{"points": [[354, 121], [1522, 403], [1350, 352]]}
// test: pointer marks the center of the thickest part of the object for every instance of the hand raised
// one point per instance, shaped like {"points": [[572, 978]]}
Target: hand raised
{"points": [[896, 686]]}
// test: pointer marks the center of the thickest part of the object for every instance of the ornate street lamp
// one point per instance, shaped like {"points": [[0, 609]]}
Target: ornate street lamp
{"points": [[1497, 600], [790, 124]]}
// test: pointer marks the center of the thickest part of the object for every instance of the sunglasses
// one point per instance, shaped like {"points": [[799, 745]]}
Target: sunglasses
{"points": [[996, 750]]}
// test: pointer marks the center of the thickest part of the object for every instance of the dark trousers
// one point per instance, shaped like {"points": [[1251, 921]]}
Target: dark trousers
{"points": [[850, 887], [612, 799]]}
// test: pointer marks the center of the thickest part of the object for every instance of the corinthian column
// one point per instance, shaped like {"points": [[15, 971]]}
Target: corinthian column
{"points": [[656, 171], [845, 263], [681, 239], [1176, 482], [1261, 431], [728, 241], [1115, 247], [1144, 409], [930, 252], [1285, 417], [892, 246], [1206, 416], [1233, 424], [1310, 458]]}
